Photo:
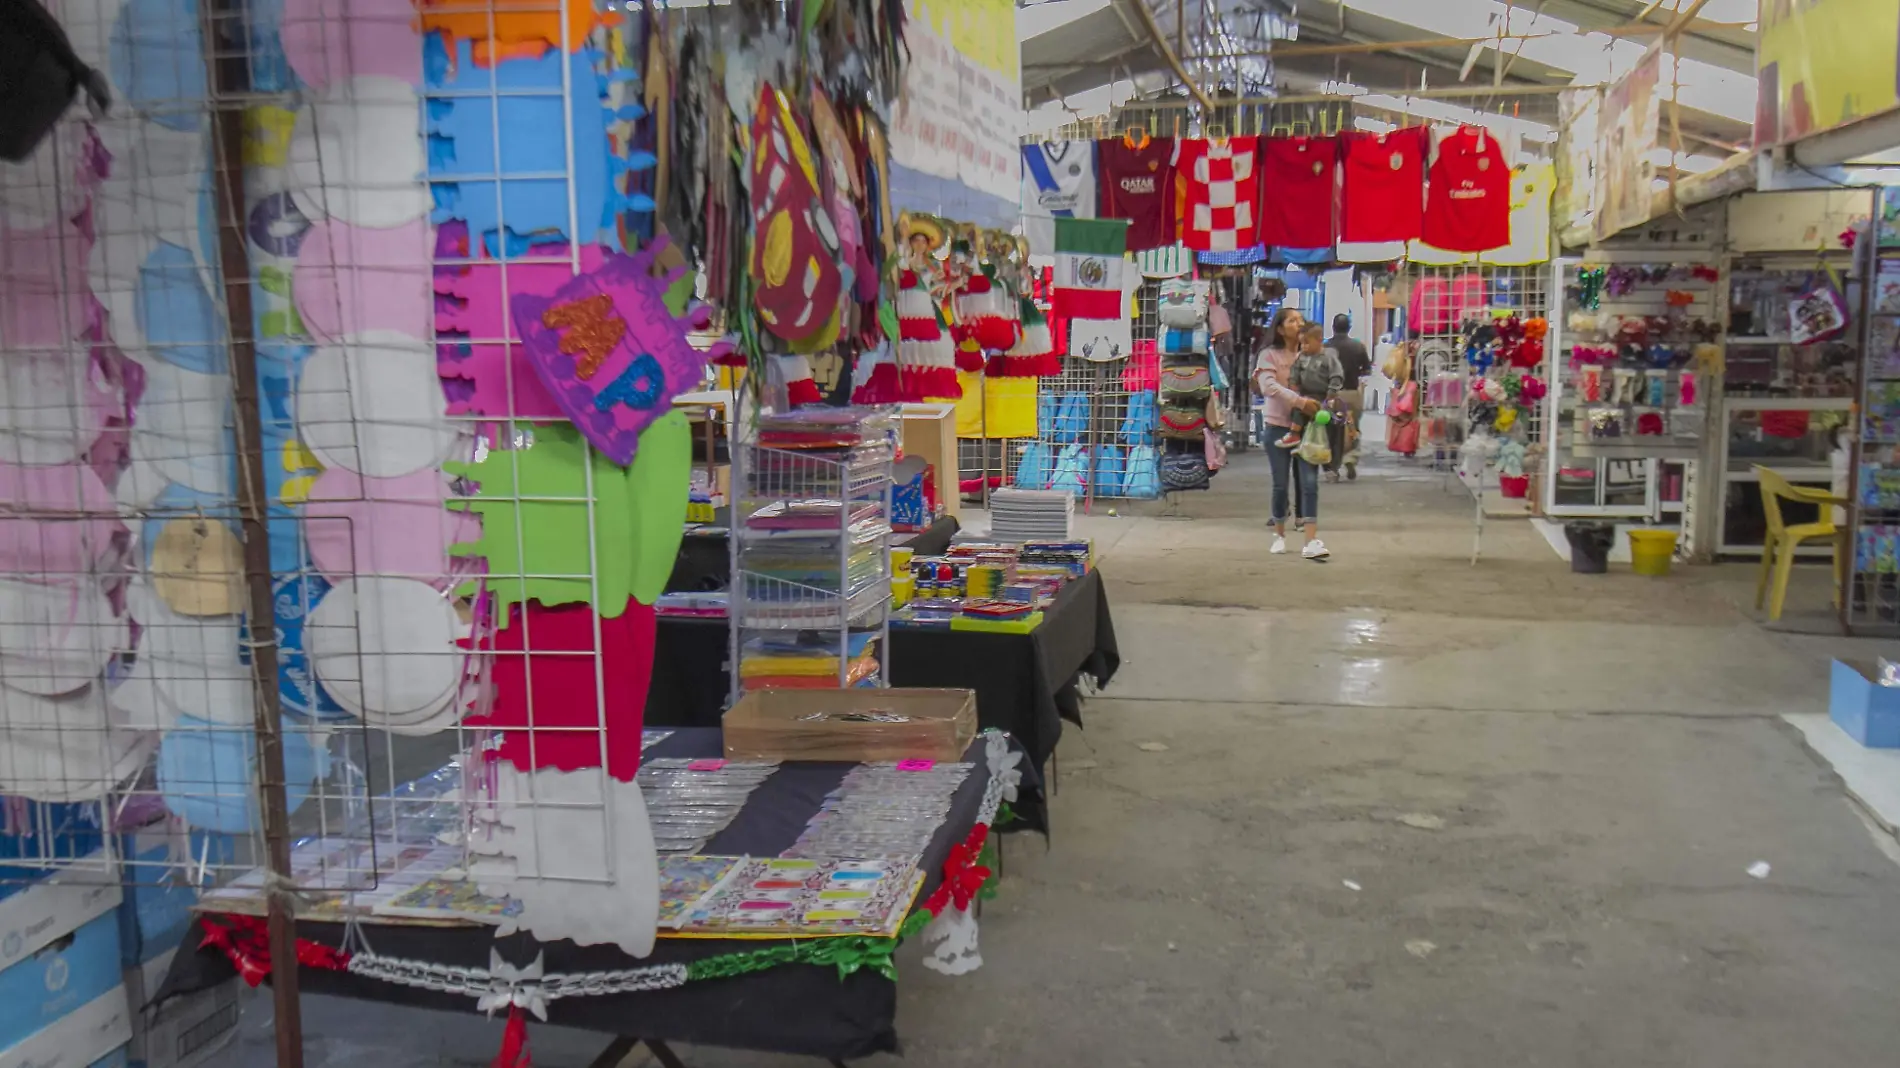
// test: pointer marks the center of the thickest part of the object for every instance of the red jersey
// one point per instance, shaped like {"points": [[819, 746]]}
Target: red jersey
{"points": [[1217, 184], [1135, 181], [1468, 203], [1299, 195], [1384, 176]]}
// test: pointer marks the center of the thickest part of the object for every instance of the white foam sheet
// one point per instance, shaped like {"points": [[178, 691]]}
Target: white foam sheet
{"points": [[576, 849]]}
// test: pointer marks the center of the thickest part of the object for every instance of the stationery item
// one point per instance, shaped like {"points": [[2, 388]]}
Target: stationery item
{"points": [[805, 897]]}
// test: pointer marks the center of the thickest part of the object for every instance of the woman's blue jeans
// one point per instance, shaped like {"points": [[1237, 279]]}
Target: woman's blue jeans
{"points": [[1288, 469]]}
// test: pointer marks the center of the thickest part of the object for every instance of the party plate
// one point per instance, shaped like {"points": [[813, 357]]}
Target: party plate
{"points": [[72, 765], [385, 648], [177, 319], [157, 61], [383, 526], [372, 403], [354, 278], [33, 543], [193, 664], [207, 773], [48, 186], [328, 41], [55, 637], [356, 154]]}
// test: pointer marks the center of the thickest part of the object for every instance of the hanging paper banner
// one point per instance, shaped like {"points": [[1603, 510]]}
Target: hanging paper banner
{"points": [[960, 116], [1578, 112], [610, 351], [1626, 135], [1822, 64]]}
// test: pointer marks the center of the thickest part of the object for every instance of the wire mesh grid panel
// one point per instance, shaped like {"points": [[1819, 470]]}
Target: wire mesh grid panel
{"points": [[449, 570], [1095, 420], [1448, 301]]}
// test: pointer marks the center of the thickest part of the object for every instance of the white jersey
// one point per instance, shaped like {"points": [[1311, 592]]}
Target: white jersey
{"points": [[1058, 182]]}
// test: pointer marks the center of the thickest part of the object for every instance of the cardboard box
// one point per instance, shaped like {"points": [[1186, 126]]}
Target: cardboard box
{"points": [[834, 725], [184, 1031], [35, 914], [64, 1005], [158, 865]]}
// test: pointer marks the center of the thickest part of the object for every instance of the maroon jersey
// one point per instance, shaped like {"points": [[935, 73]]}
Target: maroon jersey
{"points": [[1134, 180]]}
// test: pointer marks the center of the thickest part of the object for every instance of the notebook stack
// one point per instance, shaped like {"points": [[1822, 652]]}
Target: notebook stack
{"points": [[1018, 515]]}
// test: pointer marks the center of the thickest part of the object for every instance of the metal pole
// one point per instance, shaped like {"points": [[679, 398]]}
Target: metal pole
{"points": [[226, 20]]}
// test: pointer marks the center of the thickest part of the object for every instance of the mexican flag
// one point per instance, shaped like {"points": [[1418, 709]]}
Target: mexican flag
{"points": [[1088, 275]]}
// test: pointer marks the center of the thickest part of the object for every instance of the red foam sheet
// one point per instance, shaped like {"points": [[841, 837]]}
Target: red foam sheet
{"points": [[544, 662]]}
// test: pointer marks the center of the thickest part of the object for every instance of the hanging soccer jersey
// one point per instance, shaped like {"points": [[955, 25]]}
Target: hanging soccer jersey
{"points": [[1218, 186], [1299, 195], [1058, 183], [1531, 189], [1384, 184], [1468, 203], [1136, 184]]}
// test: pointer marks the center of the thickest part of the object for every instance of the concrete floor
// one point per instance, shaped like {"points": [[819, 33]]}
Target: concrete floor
{"points": [[1409, 812]]}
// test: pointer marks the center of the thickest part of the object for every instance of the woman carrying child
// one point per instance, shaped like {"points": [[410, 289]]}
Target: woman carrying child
{"points": [[1284, 382]]}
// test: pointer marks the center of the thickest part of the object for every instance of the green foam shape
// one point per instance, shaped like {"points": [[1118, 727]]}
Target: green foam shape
{"points": [[657, 482]]}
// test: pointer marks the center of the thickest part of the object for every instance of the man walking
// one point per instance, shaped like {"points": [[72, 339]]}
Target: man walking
{"points": [[1343, 432]]}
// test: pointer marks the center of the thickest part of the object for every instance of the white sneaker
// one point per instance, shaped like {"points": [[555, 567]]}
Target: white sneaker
{"points": [[1314, 550], [1279, 545]]}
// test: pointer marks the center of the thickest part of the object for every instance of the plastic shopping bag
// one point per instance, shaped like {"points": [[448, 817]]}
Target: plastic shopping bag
{"points": [[1313, 446]]}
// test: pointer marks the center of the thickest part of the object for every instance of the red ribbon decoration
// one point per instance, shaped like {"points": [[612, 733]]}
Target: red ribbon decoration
{"points": [[245, 941], [514, 1042], [963, 877]]}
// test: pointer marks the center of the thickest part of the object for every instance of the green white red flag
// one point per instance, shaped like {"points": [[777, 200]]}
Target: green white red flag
{"points": [[1088, 273]]}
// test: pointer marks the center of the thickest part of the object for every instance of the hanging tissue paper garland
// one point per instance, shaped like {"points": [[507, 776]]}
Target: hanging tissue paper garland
{"points": [[610, 351]]}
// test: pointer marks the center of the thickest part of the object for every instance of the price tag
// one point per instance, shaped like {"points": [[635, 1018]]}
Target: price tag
{"points": [[709, 764], [916, 765]]}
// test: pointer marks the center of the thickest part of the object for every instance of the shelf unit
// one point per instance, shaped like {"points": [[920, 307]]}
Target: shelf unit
{"points": [[1870, 600], [810, 540]]}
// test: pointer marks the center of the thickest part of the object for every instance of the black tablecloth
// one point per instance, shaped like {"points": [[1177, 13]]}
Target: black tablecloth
{"points": [[1024, 683], [795, 1008], [704, 562]]}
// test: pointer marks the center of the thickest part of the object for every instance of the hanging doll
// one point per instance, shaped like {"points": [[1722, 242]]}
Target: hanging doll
{"points": [[926, 355]]}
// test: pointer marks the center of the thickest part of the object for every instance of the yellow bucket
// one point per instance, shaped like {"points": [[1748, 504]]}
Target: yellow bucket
{"points": [[1651, 551]]}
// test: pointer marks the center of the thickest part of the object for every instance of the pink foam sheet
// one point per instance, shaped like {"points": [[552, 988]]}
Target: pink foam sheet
{"points": [[477, 340]]}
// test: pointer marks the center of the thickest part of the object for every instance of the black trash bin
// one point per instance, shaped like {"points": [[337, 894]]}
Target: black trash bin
{"points": [[1589, 546]]}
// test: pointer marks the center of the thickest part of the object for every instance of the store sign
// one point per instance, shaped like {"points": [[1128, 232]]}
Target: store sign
{"points": [[1824, 63], [1626, 135], [960, 116]]}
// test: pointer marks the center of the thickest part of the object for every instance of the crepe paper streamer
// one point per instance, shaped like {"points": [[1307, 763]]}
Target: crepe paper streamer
{"points": [[350, 279], [43, 288], [538, 31], [546, 706], [55, 637], [195, 665], [53, 405], [476, 307], [207, 773], [386, 649], [487, 186], [372, 403], [572, 880], [657, 487], [355, 155], [538, 548], [613, 364], [394, 527], [69, 764], [328, 41], [158, 61], [294, 596], [177, 317]]}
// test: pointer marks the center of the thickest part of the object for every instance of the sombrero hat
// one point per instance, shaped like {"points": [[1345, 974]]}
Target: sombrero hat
{"points": [[917, 224]]}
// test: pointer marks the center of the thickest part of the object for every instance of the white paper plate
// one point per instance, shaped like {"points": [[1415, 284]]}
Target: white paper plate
{"points": [[356, 154], [181, 427], [372, 403], [55, 638], [47, 186], [51, 407], [72, 765], [192, 662], [385, 648]]}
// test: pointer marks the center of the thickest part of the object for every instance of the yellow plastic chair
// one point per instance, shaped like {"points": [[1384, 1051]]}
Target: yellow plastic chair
{"points": [[1777, 551]]}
